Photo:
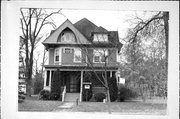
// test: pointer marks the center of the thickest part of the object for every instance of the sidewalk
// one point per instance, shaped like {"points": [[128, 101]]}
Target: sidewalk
{"points": [[66, 106]]}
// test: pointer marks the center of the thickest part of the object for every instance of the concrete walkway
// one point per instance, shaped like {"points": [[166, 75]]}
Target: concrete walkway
{"points": [[66, 106]]}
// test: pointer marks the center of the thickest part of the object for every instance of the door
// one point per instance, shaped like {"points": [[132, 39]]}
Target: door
{"points": [[73, 83]]}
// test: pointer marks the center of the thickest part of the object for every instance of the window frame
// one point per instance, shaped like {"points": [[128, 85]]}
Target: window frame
{"points": [[56, 54], [104, 37], [100, 56], [70, 49], [74, 59]]}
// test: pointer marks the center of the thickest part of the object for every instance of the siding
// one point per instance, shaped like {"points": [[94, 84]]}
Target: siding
{"points": [[111, 58], [51, 56], [68, 58]]}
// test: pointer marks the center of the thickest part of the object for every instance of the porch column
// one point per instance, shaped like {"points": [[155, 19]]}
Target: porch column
{"points": [[50, 80], [45, 78], [110, 73], [81, 88]]}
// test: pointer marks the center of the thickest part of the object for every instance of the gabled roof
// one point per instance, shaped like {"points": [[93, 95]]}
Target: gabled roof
{"points": [[85, 27], [100, 29], [83, 30], [52, 39]]}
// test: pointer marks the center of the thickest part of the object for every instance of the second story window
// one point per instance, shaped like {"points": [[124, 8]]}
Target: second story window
{"points": [[100, 38], [57, 55], [100, 55], [77, 55], [68, 50]]}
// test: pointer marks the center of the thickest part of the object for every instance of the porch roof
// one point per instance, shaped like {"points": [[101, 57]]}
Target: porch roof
{"points": [[80, 68]]}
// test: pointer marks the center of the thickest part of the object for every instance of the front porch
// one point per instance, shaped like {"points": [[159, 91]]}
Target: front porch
{"points": [[73, 80]]}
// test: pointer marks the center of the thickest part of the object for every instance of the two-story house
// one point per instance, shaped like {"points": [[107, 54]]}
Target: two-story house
{"points": [[78, 51]]}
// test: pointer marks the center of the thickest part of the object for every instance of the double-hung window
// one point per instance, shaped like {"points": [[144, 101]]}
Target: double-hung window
{"points": [[100, 55], [57, 55], [77, 55]]}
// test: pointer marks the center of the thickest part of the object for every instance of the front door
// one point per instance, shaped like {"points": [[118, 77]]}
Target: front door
{"points": [[73, 82]]}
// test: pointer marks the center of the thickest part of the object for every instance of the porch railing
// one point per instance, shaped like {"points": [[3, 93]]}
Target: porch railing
{"points": [[63, 93]]}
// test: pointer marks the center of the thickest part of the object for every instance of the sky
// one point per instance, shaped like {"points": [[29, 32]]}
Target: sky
{"points": [[110, 20]]}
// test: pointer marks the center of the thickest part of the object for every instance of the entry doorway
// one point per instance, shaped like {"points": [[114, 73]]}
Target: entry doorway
{"points": [[72, 81]]}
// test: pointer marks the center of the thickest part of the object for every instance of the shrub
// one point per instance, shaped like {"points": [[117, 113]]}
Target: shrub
{"points": [[113, 89], [86, 95], [125, 94], [56, 82], [55, 96], [44, 95], [99, 97]]}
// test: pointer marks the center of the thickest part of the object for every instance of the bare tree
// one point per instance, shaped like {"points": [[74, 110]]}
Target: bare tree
{"points": [[32, 21], [148, 60], [105, 53]]}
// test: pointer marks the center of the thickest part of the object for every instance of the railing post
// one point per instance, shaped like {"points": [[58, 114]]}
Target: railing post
{"points": [[63, 93]]}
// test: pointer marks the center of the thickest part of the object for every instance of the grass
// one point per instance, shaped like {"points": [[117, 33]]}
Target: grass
{"points": [[130, 107], [33, 104]]}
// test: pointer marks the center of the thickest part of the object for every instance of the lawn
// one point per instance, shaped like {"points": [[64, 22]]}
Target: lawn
{"points": [[33, 104], [130, 107]]}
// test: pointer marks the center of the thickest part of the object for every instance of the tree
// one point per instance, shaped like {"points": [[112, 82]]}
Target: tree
{"points": [[147, 49], [32, 22], [105, 54]]}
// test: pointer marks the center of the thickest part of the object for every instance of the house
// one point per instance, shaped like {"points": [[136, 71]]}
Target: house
{"points": [[78, 51]]}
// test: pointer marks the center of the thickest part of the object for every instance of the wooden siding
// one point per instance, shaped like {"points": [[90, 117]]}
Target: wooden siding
{"points": [[51, 56], [68, 58]]}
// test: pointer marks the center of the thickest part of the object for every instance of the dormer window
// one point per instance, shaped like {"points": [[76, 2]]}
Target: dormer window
{"points": [[100, 37], [66, 36]]}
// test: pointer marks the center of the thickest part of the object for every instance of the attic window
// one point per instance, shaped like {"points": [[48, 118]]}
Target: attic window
{"points": [[100, 38], [67, 37]]}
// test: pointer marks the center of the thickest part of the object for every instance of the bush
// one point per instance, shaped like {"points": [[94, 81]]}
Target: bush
{"points": [[56, 82], [55, 96], [113, 89], [86, 95], [125, 94], [99, 97], [21, 97], [44, 95]]}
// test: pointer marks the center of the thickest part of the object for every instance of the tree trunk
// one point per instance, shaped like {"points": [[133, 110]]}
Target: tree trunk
{"points": [[166, 27], [44, 53], [107, 89]]}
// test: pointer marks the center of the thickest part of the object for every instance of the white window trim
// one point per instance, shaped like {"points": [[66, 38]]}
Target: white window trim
{"points": [[60, 50], [74, 56], [55, 55], [71, 49], [96, 39], [100, 56]]}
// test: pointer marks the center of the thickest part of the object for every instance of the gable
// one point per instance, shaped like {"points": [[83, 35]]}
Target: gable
{"points": [[52, 39]]}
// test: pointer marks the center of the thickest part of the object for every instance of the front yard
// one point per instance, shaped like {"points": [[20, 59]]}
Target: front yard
{"points": [[130, 107]]}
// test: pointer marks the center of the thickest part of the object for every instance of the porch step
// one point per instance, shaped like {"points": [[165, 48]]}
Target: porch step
{"points": [[71, 97]]}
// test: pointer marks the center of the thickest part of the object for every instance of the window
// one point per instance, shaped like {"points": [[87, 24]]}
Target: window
{"points": [[77, 55], [100, 38], [57, 55], [67, 37], [100, 55], [68, 50]]}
